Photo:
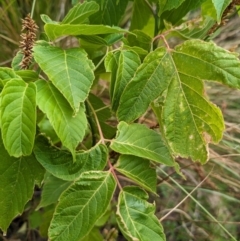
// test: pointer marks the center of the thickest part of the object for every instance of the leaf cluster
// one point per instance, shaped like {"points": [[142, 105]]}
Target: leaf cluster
{"points": [[57, 131]]}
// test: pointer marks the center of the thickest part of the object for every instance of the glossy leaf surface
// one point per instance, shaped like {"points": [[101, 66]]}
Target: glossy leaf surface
{"points": [[138, 140], [81, 205]]}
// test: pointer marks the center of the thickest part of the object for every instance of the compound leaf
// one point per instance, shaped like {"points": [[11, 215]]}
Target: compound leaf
{"points": [[70, 71], [81, 205], [139, 170], [18, 117], [18, 177], [135, 216], [138, 140], [60, 162], [80, 12], [70, 129]]}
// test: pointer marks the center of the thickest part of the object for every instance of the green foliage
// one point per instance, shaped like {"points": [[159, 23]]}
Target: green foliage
{"points": [[58, 118]]}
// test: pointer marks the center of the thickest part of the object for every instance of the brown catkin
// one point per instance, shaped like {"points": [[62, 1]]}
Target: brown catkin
{"points": [[28, 36]]}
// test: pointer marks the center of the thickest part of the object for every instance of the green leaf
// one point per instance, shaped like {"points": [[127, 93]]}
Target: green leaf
{"points": [[62, 68], [54, 31], [110, 13], [94, 235], [52, 189], [175, 15], [103, 114], [142, 18], [80, 12], [127, 62], [7, 74], [70, 129], [17, 60], [18, 117], [150, 80], [60, 162], [139, 39], [136, 217], [165, 5], [215, 8], [46, 128], [18, 177], [81, 205], [139, 170], [208, 62], [47, 19], [28, 75], [138, 140], [190, 121]]}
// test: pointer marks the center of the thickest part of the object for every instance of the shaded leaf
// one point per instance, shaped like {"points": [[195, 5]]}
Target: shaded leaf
{"points": [[139, 170], [7, 74], [142, 18], [18, 117], [81, 205], [94, 235], [150, 80], [165, 5], [18, 177], [60, 162], [136, 217], [70, 129], [80, 12], [28, 75], [70, 71], [138, 140], [110, 13], [52, 189], [127, 64], [54, 31], [103, 114]]}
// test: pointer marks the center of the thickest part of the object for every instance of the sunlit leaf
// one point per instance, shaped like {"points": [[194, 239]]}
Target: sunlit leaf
{"points": [[139, 170], [136, 217], [60, 163], [70, 71], [70, 129], [81, 205], [138, 140], [18, 117], [18, 177]]}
